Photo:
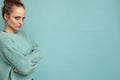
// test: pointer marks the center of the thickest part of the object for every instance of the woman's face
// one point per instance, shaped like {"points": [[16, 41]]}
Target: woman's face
{"points": [[15, 20]]}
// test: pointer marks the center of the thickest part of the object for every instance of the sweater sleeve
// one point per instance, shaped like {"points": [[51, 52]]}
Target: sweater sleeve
{"points": [[14, 56], [35, 54]]}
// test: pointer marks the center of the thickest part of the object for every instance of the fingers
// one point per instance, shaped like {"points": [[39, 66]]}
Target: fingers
{"points": [[15, 70]]}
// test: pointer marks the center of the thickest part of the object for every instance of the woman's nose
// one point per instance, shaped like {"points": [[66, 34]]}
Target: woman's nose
{"points": [[21, 21]]}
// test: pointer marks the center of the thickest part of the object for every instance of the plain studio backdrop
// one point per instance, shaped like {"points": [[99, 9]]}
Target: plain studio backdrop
{"points": [[79, 39]]}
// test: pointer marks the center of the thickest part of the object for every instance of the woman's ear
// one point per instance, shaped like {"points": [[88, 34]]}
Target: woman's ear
{"points": [[5, 17]]}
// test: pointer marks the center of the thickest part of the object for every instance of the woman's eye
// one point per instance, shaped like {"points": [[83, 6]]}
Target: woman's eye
{"points": [[17, 18], [23, 18]]}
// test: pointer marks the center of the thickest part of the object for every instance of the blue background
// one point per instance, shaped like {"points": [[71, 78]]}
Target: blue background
{"points": [[79, 39]]}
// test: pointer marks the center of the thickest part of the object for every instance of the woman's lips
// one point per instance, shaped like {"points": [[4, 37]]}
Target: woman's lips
{"points": [[18, 26]]}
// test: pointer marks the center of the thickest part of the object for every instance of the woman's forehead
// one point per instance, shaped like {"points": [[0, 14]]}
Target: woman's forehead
{"points": [[18, 11]]}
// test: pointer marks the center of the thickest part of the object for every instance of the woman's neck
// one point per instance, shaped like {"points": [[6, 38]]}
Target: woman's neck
{"points": [[10, 30]]}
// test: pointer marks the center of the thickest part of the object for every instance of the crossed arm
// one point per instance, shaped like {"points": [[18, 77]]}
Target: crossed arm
{"points": [[22, 64]]}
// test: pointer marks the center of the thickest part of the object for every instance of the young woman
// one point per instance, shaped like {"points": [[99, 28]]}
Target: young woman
{"points": [[19, 55]]}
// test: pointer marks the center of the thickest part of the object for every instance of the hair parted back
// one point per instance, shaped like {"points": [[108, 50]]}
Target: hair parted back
{"points": [[8, 5]]}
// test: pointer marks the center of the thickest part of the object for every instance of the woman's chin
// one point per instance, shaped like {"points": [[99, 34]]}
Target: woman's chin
{"points": [[18, 29]]}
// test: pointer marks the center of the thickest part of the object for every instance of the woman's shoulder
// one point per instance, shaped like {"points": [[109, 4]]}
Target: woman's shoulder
{"points": [[3, 35], [4, 38], [20, 32], [9, 37]]}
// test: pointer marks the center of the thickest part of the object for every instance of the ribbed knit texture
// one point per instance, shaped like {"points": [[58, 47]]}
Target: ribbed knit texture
{"points": [[20, 52]]}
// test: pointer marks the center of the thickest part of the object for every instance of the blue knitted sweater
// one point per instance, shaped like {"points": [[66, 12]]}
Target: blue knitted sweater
{"points": [[19, 52]]}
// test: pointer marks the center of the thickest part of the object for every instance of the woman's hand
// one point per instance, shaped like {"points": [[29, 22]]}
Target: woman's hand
{"points": [[15, 70]]}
